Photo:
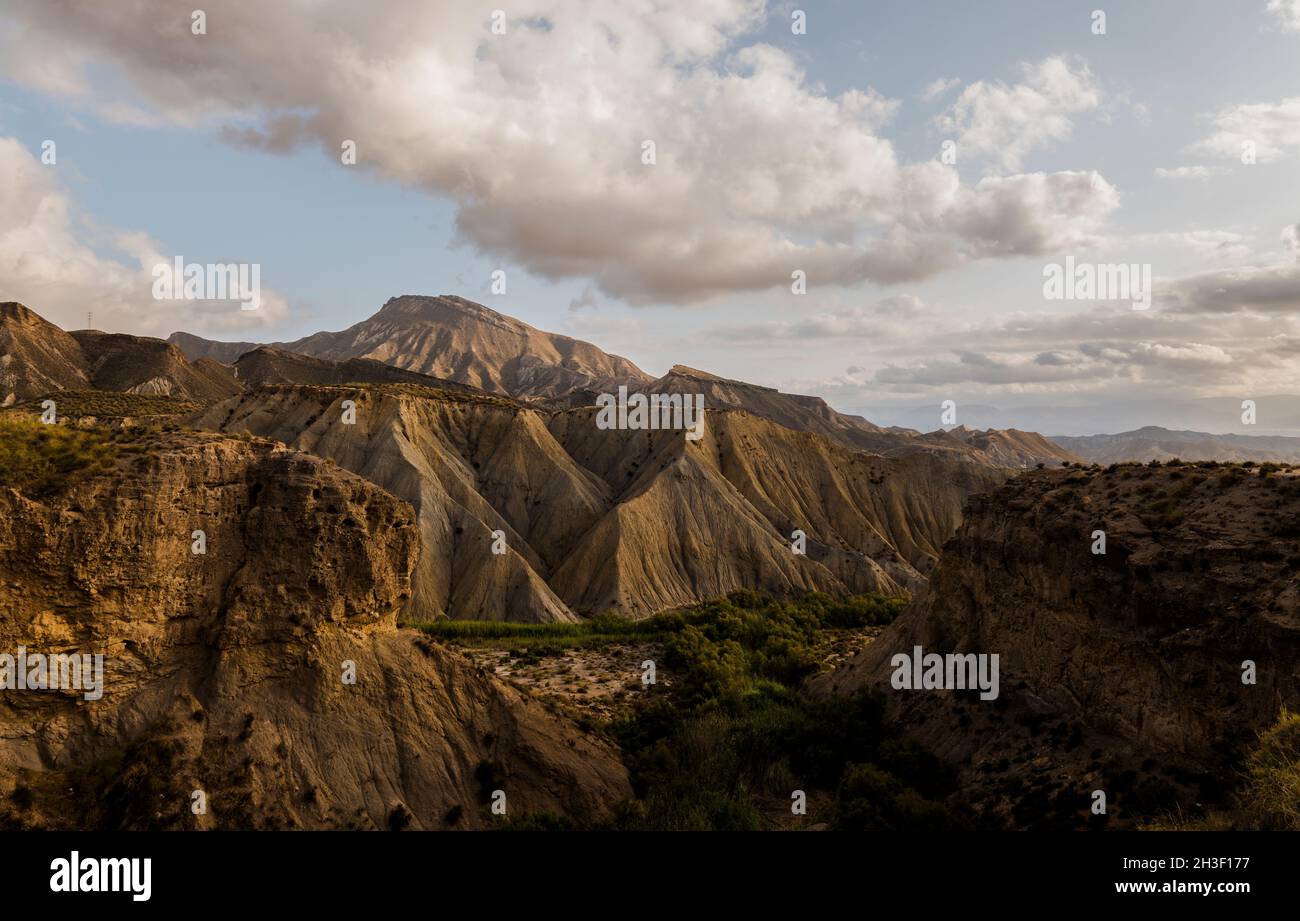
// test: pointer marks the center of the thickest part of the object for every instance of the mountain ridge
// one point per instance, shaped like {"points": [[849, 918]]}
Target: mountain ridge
{"points": [[454, 339]]}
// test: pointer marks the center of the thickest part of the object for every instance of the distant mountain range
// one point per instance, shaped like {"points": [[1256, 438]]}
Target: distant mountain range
{"points": [[37, 358], [456, 340], [1276, 414], [1160, 444]]}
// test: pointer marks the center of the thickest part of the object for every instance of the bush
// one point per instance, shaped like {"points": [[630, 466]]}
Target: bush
{"points": [[1272, 799], [870, 799], [734, 737]]}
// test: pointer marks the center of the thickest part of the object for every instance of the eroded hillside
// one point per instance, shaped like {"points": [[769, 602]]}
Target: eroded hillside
{"points": [[39, 359], [1120, 672], [638, 521], [224, 671]]}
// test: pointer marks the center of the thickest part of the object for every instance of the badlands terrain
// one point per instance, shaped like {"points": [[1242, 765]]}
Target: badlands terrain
{"points": [[605, 628]]}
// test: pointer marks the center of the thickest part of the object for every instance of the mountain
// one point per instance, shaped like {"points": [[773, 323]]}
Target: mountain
{"points": [[138, 364], [225, 672], [268, 365], [1160, 444], [37, 358], [1122, 671], [453, 339], [196, 347], [1276, 414], [804, 413], [636, 521], [1002, 447]]}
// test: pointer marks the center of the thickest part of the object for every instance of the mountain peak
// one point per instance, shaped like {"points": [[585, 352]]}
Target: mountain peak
{"points": [[443, 307], [686, 371], [15, 312]]}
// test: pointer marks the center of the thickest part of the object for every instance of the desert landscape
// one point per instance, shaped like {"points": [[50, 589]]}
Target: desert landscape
{"points": [[614, 629], [648, 416]]}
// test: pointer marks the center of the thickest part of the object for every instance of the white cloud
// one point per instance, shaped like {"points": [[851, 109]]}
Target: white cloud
{"points": [[939, 88], [1230, 330], [1291, 240], [1287, 13], [47, 263], [1006, 123], [537, 134], [1272, 127]]}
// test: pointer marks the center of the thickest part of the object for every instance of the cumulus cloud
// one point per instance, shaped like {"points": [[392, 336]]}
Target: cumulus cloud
{"points": [[48, 261], [1008, 122], [537, 135], [1271, 128], [1232, 329], [1286, 13]]}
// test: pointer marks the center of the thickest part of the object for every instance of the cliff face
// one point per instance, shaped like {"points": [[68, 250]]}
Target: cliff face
{"points": [[224, 671], [1127, 663], [596, 519]]}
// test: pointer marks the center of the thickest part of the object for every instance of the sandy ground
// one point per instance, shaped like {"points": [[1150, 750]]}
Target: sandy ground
{"points": [[596, 682]]}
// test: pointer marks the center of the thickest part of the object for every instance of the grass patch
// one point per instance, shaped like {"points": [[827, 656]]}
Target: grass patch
{"points": [[38, 459], [1272, 798], [108, 404]]}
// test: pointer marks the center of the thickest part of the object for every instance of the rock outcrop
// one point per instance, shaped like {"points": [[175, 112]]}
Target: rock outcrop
{"points": [[225, 670], [1121, 671]]}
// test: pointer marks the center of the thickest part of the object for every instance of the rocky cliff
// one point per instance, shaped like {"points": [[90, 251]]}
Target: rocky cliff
{"points": [[225, 670], [1121, 671]]}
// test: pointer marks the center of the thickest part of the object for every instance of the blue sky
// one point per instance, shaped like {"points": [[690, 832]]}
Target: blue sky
{"points": [[137, 107]]}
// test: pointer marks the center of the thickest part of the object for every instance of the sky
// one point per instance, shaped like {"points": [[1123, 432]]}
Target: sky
{"points": [[918, 164]]}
